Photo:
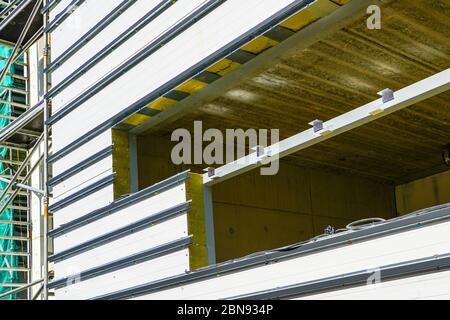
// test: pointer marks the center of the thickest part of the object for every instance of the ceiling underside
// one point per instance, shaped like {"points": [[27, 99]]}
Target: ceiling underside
{"points": [[344, 72], [11, 32]]}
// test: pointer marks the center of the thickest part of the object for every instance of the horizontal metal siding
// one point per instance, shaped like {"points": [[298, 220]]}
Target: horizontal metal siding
{"points": [[120, 204], [83, 152], [218, 28], [165, 266], [130, 214], [82, 179], [71, 171], [389, 244], [80, 194], [434, 286], [93, 201], [113, 44], [150, 237], [122, 245], [76, 24]]}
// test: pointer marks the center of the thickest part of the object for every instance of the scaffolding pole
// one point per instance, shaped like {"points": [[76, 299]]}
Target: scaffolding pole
{"points": [[8, 8], [16, 191], [22, 36], [47, 105], [16, 183], [20, 170], [20, 289]]}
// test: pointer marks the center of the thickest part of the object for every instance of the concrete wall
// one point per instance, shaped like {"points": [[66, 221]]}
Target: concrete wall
{"points": [[254, 213], [423, 193]]}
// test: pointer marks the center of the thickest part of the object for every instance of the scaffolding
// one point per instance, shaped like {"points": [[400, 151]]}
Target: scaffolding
{"points": [[17, 147]]}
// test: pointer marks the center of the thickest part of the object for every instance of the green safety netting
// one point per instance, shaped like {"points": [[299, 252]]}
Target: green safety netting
{"points": [[6, 230]]}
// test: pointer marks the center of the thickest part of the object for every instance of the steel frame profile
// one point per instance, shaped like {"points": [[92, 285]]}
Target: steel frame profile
{"points": [[46, 133], [372, 111]]}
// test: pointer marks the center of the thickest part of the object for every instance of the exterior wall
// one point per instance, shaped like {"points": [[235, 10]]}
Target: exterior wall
{"points": [[314, 262], [167, 62], [155, 233], [83, 181], [434, 286], [423, 193]]}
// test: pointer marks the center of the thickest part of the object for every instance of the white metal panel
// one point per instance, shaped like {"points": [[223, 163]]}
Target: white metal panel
{"points": [[133, 213], [88, 149], [166, 266], [96, 200], [83, 179], [58, 9], [121, 54], [78, 23], [108, 34], [429, 286], [208, 35], [146, 239], [405, 246]]}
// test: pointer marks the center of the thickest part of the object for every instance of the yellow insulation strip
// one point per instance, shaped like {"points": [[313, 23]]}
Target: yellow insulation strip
{"points": [[162, 103], [307, 16], [259, 45], [192, 86], [223, 67], [120, 163], [198, 255], [137, 119]]}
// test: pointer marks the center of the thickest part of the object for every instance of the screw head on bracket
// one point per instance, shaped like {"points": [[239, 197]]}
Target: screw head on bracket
{"points": [[317, 125], [386, 95]]}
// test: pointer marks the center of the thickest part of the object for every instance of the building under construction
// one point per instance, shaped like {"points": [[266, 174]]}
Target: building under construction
{"points": [[95, 96]]}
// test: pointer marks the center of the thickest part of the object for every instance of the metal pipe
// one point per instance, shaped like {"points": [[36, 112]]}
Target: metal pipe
{"points": [[38, 292], [17, 125], [30, 42], [20, 40], [23, 186], [25, 179], [20, 170], [47, 106], [3, 295]]}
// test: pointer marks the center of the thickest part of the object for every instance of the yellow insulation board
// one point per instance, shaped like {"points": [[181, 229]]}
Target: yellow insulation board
{"points": [[198, 256]]}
